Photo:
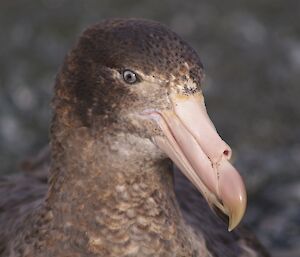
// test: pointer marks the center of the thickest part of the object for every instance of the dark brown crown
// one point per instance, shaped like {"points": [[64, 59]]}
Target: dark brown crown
{"points": [[85, 86]]}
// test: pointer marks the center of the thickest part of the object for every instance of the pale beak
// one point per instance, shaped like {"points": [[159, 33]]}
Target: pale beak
{"points": [[192, 142]]}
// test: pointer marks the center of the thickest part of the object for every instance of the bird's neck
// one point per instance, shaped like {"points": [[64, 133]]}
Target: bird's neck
{"points": [[113, 196]]}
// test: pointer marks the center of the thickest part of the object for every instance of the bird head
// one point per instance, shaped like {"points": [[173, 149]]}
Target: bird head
{"points": [[141, 75]]}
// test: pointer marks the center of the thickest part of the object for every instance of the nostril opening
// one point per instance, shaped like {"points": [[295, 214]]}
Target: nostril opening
{"points": [[227, 153]]}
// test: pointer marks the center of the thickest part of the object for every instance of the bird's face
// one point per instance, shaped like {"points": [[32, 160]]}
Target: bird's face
{"points": [[143, 74], [172, 114]]}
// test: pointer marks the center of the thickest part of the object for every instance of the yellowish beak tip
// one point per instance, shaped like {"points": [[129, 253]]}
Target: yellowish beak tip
{"points": [[236, 215]]}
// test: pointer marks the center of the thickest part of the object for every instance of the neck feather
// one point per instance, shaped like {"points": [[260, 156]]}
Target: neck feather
{"points": [[117, 190]]}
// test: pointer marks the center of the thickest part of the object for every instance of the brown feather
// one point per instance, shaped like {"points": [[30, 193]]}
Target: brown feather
{"points": [[111, 192]]}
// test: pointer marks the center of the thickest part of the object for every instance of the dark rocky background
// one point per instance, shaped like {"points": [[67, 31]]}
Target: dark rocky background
{"points": [[251, 53]]}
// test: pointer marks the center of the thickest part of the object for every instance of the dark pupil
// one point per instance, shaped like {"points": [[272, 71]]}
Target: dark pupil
{"points": [[129, 77]]}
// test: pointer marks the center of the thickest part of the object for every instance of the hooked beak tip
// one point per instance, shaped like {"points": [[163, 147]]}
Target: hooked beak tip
{"points": [[237, 213]]}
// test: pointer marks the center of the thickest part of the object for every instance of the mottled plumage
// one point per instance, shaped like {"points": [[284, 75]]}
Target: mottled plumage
{"points": [[111, 191]]}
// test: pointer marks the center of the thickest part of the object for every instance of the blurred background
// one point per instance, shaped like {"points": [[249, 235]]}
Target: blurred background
{"points": [[251, 53]]}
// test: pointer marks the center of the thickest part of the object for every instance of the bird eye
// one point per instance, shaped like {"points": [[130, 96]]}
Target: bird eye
{"points": [[130, 77]]}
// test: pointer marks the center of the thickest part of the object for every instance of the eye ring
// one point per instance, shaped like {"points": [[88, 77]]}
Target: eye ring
{"points": [[130, 77]]}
